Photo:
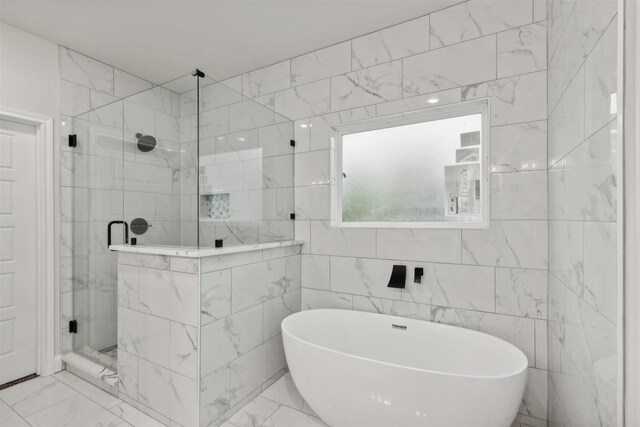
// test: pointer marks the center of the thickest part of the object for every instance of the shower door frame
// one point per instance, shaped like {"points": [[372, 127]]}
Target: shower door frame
{"points": [[47, 361]]}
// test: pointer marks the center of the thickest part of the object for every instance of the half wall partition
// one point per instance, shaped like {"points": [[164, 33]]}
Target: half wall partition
{"points": [[187, 164]]}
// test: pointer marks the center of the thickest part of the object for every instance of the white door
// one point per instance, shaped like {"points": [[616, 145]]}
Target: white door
{"points": [[17, 250]]}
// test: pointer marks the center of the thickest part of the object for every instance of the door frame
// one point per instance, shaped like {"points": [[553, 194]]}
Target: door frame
{"points": [[45, 235]]}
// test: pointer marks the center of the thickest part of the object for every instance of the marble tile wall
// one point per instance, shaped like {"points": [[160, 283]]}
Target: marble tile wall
{"points": [[491, 280], [245, 151], [199, 337], [103, 179], [582, 174]]}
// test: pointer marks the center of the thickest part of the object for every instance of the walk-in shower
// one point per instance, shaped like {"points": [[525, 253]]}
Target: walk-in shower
{"points": [[182, 164]]}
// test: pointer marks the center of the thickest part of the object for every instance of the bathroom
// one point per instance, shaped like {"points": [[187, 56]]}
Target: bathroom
{"points": [[193, 232]]}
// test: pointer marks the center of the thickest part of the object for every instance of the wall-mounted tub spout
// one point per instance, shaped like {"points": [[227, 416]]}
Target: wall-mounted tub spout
{"points": [[398, 277]]}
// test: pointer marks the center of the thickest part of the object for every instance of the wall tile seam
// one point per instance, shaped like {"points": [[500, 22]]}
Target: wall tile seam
{"points": [[252, 307], [157, 364], [551, 55], [580, 68], [580, 145], [401, 58], [417, 261], [430, 305], [137, 310]]}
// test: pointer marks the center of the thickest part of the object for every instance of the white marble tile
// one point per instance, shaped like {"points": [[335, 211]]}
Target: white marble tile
{"points": [[277, 279], [474, 19], [266, 80], [169, 294], [144, 335], [183, 343], [519, 195], [134, 416], [398, 41], [86, 71], [419, 245], [600, 81], [99, 99], [392, 307], [320, 127], [521, 292], [226, 339], [34, 395], [566, 253], [8, 417], [458, 65], [73, 411], [363, 276], [507, 244], [74, 99], [251, 370], [513, 99], [276, 140], [253, 414], [97, 395], [582, 186], [450, 285], [144, 260], [539, 10], [541, 344], [139, 119], [380, 83], [216, 263], [127, 374], [248, 115], [278, 171], [315, 272], [519, 147], [320, 64], [567, 121], [534, 401], [275, 310], [519, 331], [219, 95], [168, 393], [214, 395], [286, 416], [126, 84], [584, 27], [600, 267], [522, 50], [312, 168], [304, 101], [184, 265], [224, 120], [285, 392], [312, 202], [215, 296], [449, 96], [326, 240], [313, 298]]}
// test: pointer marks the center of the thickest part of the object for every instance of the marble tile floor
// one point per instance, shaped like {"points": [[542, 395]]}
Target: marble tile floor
{"points": [[66, 400]]}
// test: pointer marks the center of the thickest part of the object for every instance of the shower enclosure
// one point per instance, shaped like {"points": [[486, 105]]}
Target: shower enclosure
{"points": [[189, 163]]}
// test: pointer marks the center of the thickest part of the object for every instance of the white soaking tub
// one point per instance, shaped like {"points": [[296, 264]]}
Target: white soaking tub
{"points": [[358, 369]]}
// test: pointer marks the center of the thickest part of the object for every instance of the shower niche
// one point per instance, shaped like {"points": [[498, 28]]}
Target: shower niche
{"points": [[195, 160]]}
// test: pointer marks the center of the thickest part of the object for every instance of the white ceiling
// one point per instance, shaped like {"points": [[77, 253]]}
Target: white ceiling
{"points": [[162, 39]]}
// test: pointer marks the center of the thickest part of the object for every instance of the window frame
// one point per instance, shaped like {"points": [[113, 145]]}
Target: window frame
{"points": [[478, 106]]}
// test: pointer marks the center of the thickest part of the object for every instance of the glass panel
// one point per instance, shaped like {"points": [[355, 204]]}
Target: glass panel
{"points": [[423, 169], [91, 199], [246, 169], [159, 166]]}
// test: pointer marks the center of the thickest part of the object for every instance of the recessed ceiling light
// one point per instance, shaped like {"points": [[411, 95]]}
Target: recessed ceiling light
{"points": [[432, 100]]}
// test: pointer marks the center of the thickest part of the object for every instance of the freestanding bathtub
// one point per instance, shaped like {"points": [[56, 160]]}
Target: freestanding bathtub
{"points": [[358, 369]]}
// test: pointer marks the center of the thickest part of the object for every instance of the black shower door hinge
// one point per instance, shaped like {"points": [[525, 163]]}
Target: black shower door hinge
{"points": [[292, 142], [73, 140], [73, 326], [292, 216]]}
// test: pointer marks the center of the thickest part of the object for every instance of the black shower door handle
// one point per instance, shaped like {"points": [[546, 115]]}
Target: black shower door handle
{"points": [[126, 232]]}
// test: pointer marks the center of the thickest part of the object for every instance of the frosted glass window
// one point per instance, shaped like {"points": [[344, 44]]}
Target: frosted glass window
{"points": [[424, 169]]}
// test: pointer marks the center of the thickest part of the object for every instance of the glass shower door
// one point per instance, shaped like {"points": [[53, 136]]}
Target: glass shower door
{"points": [[93, 204]]}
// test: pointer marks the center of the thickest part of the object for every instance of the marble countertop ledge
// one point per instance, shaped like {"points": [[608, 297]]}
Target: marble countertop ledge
{"points": [[191, 252]]}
